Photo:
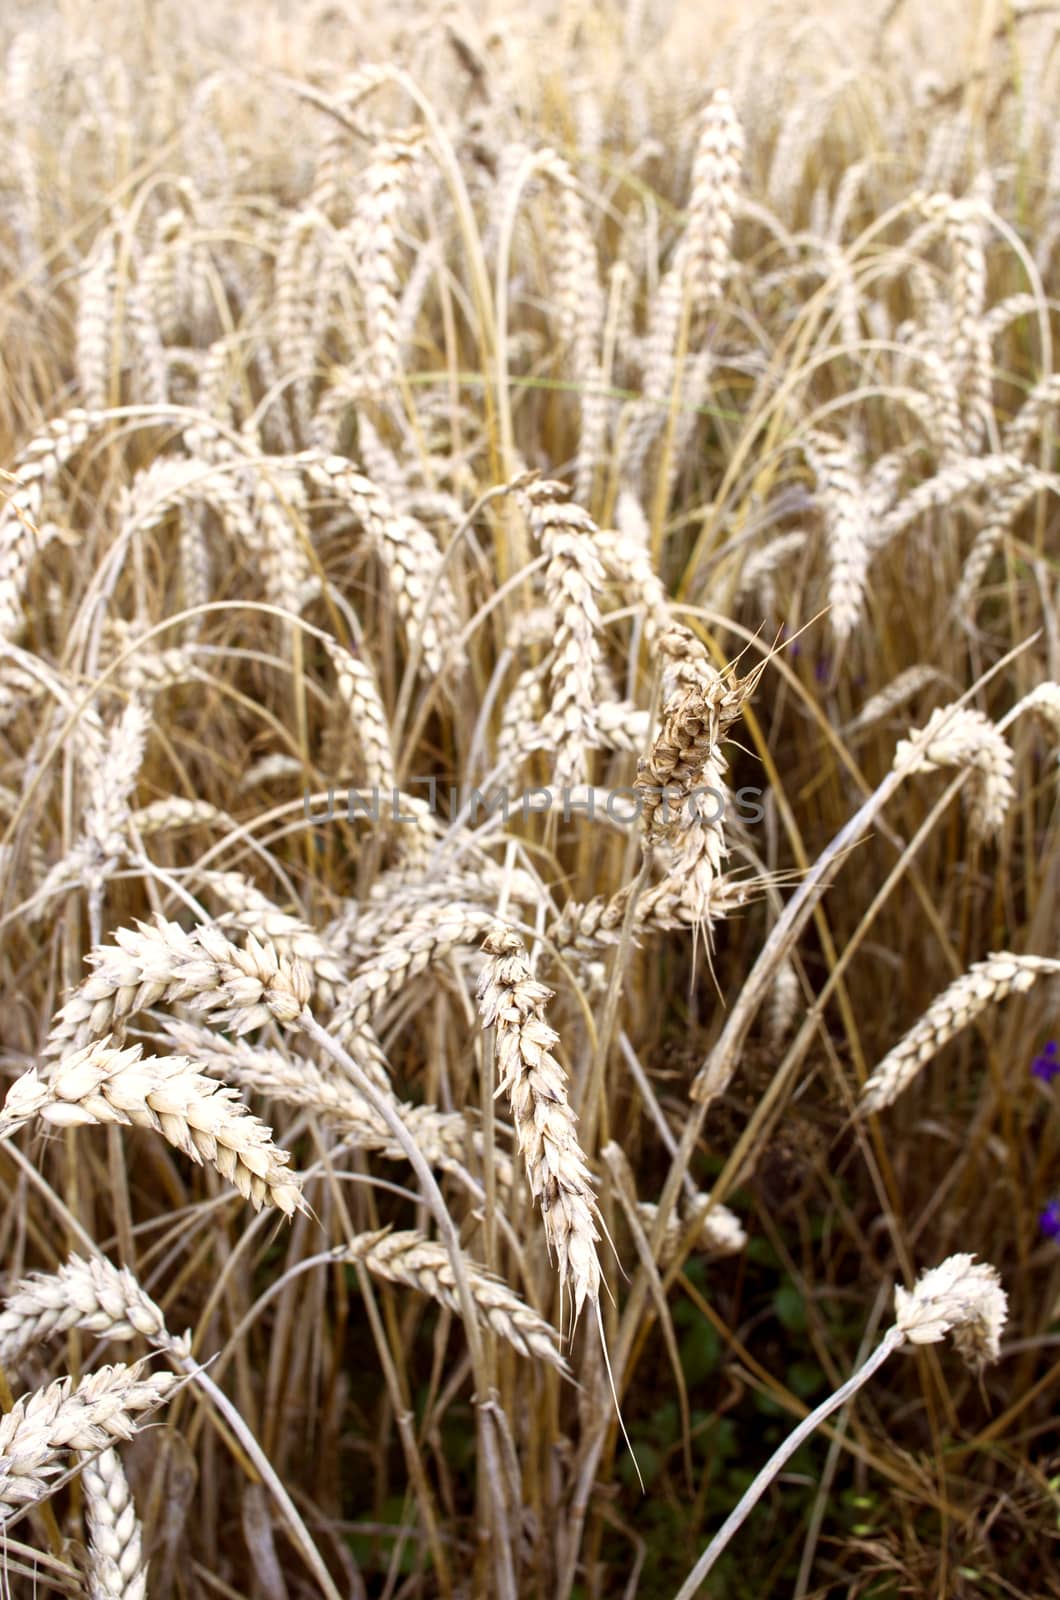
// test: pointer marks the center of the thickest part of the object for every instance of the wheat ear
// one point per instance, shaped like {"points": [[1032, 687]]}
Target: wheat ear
{"points": [[161, 961], [514, 1003], [116, 1566], [91, 1294], [203, 1119], [984, 984], [958, 736], [409, 1257], [41, 1427]]}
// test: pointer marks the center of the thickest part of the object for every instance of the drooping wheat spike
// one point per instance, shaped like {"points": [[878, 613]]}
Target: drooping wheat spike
{"points": [[41, 1428], [536, 1085], [432, 932], [101, 1084], [696, 848], [836, 466], [713, 201], [1044, 703], [952, 483], [373, 235], [173, 811], [697, 274], [1003, 510], [91, 1294], [984, 984], [146, 673], [23, 533], [628, 561], [579, 297], [110, 778], [95, 321], [407, 552], [116, 1566], [721, 1232], [758, 573], [157, 275], [279, 500], [520, 731], [368, 720], [622, 725], [330, 194], [109, 762], [1003, 314], [162, 962], [574, 579], [298, 261], [963, 737], [291, 938], [894, 694], [785, 995], [589, 927], [965, 230], [1026, 425], [411, 1258]]}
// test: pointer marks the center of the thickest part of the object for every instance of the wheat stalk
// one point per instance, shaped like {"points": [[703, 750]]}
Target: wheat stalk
{"points": [[959, 1296]]}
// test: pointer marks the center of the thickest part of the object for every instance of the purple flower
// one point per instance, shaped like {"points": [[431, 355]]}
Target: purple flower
{"points": [[1049, 1220], [1047, 1065]]}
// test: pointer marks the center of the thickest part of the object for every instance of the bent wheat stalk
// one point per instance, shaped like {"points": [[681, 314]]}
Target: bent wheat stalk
{"points": [[959, 1296]]}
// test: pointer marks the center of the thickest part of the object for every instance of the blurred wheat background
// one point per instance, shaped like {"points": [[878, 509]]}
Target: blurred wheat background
{"points": [[529, 728]]}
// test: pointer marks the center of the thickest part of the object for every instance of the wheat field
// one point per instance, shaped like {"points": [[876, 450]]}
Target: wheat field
{"points": [[530, 742]]}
